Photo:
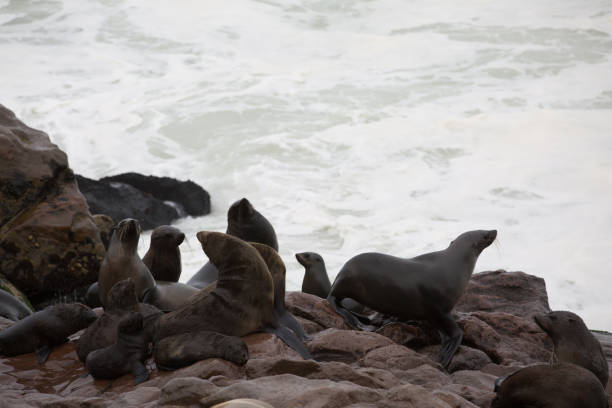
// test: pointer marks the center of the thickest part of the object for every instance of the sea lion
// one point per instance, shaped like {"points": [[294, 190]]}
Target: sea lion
{"points": [[551, 386], [122, 261], [121, 302], [12, 308], [574, 343], [164, 256], [242, 302], [422, 288], [92, 296], [169, 296], [43, 330], [277, 269], [243, 403], [126, 355], [246, 223], [187, 348]]}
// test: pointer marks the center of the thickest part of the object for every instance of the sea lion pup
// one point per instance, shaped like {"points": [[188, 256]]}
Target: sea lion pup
{"points": [[246, 223], [550, 386], [12, 308], [184, 349], [121, 302], [242, 302], [422, 288], [169, 296], [277, 269], [164, 256], [126, 355], [574, 343], [122, 261], [43, 330]]}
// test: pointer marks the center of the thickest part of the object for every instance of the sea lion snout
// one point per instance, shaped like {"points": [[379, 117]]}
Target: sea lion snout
{"points": [[302, 258], [202, 236]]}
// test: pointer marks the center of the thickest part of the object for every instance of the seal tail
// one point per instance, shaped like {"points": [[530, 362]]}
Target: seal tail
{"points": [[290, 339]]}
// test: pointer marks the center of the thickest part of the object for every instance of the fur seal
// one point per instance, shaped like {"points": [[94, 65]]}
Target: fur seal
{"points": [[551, 386], [187, 348], [422, 288], [242, 301], [574, 343], [277, 269], [43, 330], [169, 296], [12, 308], [164, 256], [92, 296], [122, 261], [121, 302], [246, 223], [126, 355]]}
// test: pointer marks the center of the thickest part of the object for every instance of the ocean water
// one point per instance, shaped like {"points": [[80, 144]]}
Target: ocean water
{"points": [[353, 126]]}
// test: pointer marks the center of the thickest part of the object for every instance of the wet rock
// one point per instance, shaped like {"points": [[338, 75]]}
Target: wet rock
{"points": [[315, 309], [344, 345], [49, 244]]}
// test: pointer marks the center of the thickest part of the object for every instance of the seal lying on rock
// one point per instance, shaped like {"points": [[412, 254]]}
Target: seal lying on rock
{"points": [[169, 296], [122, 261], [12, 308], [164, 256], [43, 330], [242, 302], [246, 223], [550, 386], [422, 288], [574, 343], [126, 355], [187, 348]]}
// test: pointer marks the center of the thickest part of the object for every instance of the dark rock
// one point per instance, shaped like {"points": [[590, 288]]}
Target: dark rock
{"points": [[410, 334], [49, 243], [315, 309], [345, 345], [466, 358], [105, 225]]}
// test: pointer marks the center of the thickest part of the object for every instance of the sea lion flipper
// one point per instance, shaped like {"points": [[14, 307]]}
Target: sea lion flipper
{"points": [[289, 321], [140, 372], [42, 352], [451, 336], [292, 341], [348, 316]]}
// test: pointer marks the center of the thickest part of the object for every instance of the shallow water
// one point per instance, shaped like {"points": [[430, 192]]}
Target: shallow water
{"points": [[353, 126]]}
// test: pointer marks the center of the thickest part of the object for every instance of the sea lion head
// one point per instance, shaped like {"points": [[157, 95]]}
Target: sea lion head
{"points": [[166, 236], [474, 242], [240, 210], [561, 324], [128, 233], [122, 296], [246, 223], [307, 259]]}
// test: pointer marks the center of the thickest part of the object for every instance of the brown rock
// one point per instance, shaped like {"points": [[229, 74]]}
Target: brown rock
{"points": [[453, 400], [186, 390], [476, 396], [410, 334], [417, 396], [345, 345], [139, 396], [105, 225], [466, 358], [263, 345], [315, 309], [49, 243], [395, 357], [426, 376]]}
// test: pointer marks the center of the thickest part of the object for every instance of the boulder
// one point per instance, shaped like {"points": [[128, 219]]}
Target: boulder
{"points": [[315, 309], [49, 243], [346, 346]]}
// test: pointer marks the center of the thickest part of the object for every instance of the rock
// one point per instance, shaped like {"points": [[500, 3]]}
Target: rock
{"points": [[344, 345], [453, 400], [516, 293], [105, 225], [243, 403], [417, 396], [192, 198], [466, 358], [395, 357], [10, 288], [140, 396], [426, 376], [315, 309], [49, 244], [186, 390], [263, 345], [410, 334]]}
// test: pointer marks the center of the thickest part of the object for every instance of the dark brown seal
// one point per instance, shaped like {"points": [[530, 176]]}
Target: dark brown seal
{"points": [[422, 288], [121, 302], [574, 343], [551, 386], [122, 261], [12, 308], [187, 348], [316, 282], [164, 256], [242, 302], [246, 223], [43, 330], [126, 355]]}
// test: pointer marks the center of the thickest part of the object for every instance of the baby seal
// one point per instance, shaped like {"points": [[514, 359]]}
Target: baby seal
{"points": [[122, 261], [422, 288], [43, 330], [184, 349], [164, 256], [574, 343], [316, 282], [551, 386], [246, 223], [127, 355]]}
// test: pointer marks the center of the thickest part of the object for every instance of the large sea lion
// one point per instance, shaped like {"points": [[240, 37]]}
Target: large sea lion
{"points": [[246, 223], [574, 343], [122, 261], [122, 301], [12, 308], [551, 386], [277, 269], [422, 288], [184, 349], [43, 330], [169, 296], [126, 355], [164, 256], [242, 301]]}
